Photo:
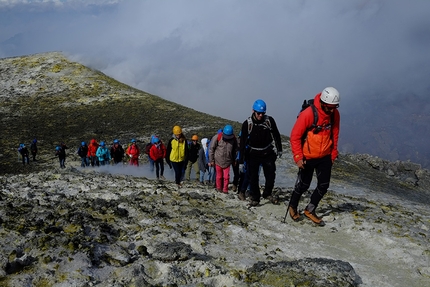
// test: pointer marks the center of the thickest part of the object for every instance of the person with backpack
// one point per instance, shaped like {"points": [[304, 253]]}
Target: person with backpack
{"points": [[147, 151], [158, 154], [103, 154], [211, 179], [60, 151], [222, 155], [177, 153], [259, 132], [82, 152], [133, 152], [116, 152], [23, 151], [92, 149], [314, 142], [33, 149], [193, 155], [203, 160]]}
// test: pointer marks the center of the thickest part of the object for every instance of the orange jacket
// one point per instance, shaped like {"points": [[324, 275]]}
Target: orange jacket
{"points": [[315, 145], [92, 148]]}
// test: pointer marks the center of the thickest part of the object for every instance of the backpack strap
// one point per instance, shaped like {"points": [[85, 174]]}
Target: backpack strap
{"points": [[267, 123]]}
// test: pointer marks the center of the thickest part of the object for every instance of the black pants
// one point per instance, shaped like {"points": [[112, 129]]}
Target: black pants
{"points": [[269, 169], [322, 167], [178, 167], [236, 174], [159, 167]]}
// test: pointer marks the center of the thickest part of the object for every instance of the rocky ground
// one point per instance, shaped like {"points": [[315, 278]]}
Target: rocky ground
{"points": [[90, 227]]}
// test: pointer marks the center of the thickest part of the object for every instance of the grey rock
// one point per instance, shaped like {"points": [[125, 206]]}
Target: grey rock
{"points": [[173, 251]]}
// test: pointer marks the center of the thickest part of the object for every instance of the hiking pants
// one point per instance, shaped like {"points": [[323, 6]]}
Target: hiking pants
{"points": [[62, 162], [178, 167], [84, 161], [94, 160], [151, 163], [322, 167], [222, 178], [190, 166], [159, 167], [134, 161], [211, 174], [236, 174], [269, 170], [25, 159]]}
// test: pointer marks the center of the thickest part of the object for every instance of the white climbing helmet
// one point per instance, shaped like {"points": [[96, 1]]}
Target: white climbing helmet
{"points": [[330, 96]]}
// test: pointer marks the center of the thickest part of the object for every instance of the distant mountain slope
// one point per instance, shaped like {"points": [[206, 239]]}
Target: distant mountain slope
{"points": [[396, 128], [48, 97]]}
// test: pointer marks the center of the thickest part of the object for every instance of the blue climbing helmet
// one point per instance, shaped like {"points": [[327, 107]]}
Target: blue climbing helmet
{"points": [[155, 140], [83, 143], [57, 148], [116, 141], [259, 106], [227, 130], [133, 140], [102, 143], [21, 145], [35, 141]]}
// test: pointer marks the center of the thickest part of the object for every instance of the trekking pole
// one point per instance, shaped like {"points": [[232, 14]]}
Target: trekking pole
{"points": [[295, 186]]}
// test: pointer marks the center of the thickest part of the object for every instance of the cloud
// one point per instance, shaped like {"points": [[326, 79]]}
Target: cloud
{"points": [[219, 56]]}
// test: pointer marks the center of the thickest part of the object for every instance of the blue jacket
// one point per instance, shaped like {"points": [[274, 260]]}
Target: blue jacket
{"points": [[103, 154]]}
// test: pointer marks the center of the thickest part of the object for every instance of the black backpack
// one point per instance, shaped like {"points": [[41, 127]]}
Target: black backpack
{"points": [[148, 148]]}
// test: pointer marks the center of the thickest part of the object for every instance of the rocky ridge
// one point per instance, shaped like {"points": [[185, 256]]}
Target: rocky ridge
{"points": [[87, 227]]}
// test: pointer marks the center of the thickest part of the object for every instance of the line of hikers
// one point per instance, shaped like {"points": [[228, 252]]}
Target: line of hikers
{"points": [[314, 142]]}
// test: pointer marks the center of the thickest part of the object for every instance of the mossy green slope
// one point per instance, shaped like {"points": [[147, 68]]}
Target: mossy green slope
{"points": [[54, 99]]}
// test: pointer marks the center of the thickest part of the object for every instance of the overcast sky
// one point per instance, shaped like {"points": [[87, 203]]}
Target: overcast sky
{"points": [[219, 56]]}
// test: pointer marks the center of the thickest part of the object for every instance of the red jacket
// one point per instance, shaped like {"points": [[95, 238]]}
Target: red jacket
{"points": [[316, 145], [157, 151], [133, 151], [92, 148]]}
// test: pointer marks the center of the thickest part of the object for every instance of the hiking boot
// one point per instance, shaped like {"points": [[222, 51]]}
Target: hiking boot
{"points": [[162, 178], [273, 199], [234, 187], [294, 214], [241, 196], [312, 216], [254, 203]]}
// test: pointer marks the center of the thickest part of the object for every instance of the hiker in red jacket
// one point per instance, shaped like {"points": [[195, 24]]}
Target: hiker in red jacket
{"points": [[133, 152], [157, 154], [92, 149], [314, 148]]}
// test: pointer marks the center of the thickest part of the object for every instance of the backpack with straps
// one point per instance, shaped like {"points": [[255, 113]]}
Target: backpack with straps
{"points": [[266, 124], [316, 129], [148, 148]]}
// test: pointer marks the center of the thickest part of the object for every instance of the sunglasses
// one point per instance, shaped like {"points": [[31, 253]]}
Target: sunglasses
{"points": [[260, 114], [330, 107]]}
